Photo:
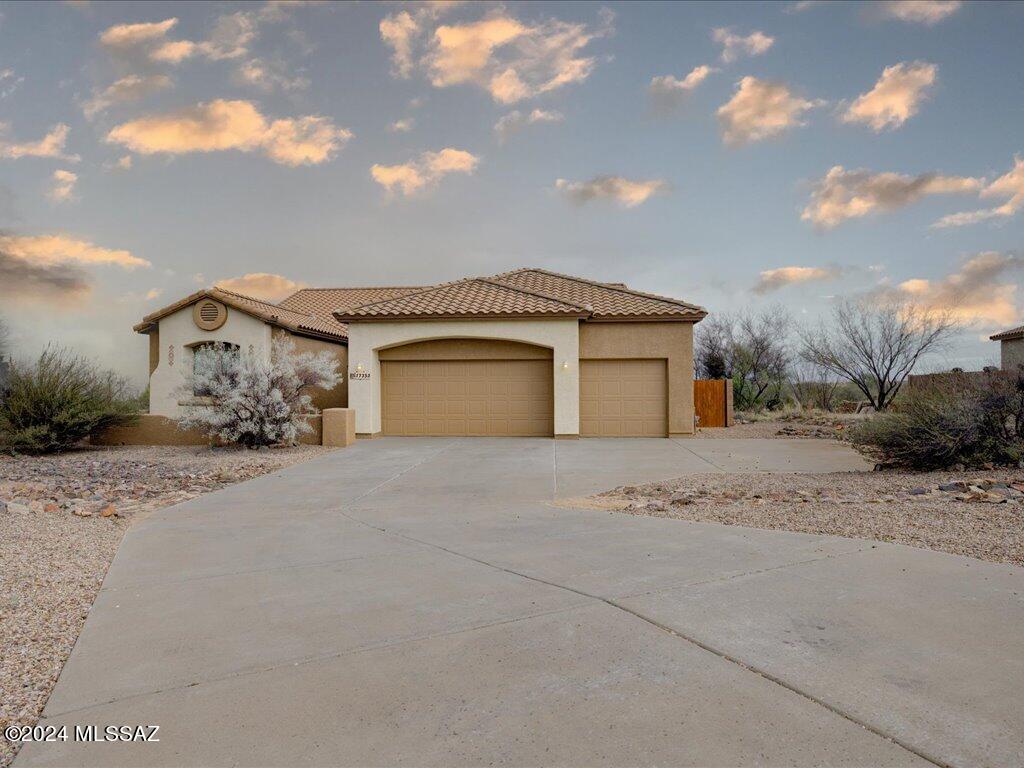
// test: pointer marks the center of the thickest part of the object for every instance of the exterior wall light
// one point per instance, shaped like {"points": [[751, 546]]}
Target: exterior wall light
{"points": [[565, 365], [359, 368]]}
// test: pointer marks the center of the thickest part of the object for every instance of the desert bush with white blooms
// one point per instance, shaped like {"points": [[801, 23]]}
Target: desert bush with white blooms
{"points": [[246, 399]]}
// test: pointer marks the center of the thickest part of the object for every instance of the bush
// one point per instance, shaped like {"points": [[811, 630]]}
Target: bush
{"points": [[53, 404], [971, 420], [246, 400]]}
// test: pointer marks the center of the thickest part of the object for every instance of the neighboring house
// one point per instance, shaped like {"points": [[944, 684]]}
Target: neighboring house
{"points": [[528, 352], [1011, 347]]}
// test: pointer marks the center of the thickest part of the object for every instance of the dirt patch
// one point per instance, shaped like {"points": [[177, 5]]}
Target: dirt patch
{"points": [[786, 424], [61, 521], [977, 514]]}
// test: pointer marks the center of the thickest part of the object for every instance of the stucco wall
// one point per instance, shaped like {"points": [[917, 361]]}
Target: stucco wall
{"points": [[177, 332], [1012, 353], [322, 398], [160, 430], [669, 341], [366, 339]]}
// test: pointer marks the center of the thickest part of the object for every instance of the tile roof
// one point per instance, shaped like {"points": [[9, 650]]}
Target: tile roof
{"points": [[299, 322], [322, 303], [611, 301], [1013, 333], [469, 298]]}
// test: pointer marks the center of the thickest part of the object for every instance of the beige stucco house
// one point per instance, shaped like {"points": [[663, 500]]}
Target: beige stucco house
{"points": [[528, 352], [1011, 347]]}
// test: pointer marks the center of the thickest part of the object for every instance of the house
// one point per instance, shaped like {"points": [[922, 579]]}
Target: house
{"points": [[527, 352], [1011, 347]]}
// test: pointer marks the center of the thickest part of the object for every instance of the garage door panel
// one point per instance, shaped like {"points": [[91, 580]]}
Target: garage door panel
{"points": [[467, 397], [623, 398]]}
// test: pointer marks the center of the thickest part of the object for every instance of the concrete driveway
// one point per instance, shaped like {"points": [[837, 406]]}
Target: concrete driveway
{"points": [[419, 602]]}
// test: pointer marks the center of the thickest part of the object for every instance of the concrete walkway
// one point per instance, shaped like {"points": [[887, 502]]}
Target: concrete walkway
{"points": [[419, 602]]}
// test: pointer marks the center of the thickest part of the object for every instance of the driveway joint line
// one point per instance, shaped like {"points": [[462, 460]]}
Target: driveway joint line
{"points": [[305, 660], [724, 655], [694, 453], [742, 574]]}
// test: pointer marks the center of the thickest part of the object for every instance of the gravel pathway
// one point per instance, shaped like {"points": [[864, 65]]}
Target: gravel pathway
{"points": [[61, 521], [981, 514]]}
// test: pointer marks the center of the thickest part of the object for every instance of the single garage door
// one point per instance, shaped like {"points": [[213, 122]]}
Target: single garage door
{"points": [[623, 398], [467, 397]]}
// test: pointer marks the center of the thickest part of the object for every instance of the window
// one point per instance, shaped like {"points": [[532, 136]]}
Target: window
{"points": [[223, 353]]}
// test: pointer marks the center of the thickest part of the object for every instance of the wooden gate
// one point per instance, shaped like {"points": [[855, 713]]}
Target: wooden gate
{"points": [[712, 402]]}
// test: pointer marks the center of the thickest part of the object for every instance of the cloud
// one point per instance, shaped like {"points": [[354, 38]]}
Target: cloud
{"points": [[774, 279], [668, 92], [230, 37], [515, 121], [121, 37], [124, 163], [129, 88], [21, 280], [238, 125], [428, 169], [261, 285], [734, 46], [398, 31], [759, 110], [1010, 185], [803, 5], [269, 76], [9, 82], [510, 59], [50, 266], [154, 293], [63, 188], [982, 292], [919, 11], [895, 97], [51, 145], [402, 126], [626, 192], [49, 250], [843, 194]]}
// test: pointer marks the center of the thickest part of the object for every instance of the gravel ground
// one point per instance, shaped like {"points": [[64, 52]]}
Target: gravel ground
{"points": [[905, 508], [793, 424], [61, 521]]}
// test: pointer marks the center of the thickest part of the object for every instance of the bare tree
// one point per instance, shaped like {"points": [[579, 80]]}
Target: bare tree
{"points": [[712, 348], [813, 386], [750, 349], [4, 339], [876, 345]]}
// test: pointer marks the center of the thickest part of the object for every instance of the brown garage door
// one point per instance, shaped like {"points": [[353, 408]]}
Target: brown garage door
{"points": [[623, 398], [467, 397]]}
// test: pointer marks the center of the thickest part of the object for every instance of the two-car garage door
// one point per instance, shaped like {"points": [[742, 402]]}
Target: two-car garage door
{"points": [[467, 397], [618, 398]]}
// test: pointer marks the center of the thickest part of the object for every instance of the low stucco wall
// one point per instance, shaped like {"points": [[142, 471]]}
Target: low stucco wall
{"points": [[367, 339], [672, 342], [152, 429]]}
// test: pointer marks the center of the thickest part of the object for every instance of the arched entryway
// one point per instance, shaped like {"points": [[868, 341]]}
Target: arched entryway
{"points": [[467, 387]]}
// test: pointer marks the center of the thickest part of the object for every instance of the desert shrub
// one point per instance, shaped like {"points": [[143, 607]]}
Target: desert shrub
{"points": [[971, 421], [53, 404], [251, 401]]}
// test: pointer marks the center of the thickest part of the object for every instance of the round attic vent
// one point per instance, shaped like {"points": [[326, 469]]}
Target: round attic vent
{"points": [[209, 314]]}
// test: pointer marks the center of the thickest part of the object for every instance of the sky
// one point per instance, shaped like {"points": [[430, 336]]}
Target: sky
{"points": [[735, 155]]}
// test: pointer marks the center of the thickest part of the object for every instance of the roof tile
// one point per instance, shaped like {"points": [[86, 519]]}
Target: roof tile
{"points": [[472, 297]]}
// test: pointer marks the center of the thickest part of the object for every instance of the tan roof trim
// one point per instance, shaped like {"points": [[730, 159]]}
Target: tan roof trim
{"points": [[1013, 333]]}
